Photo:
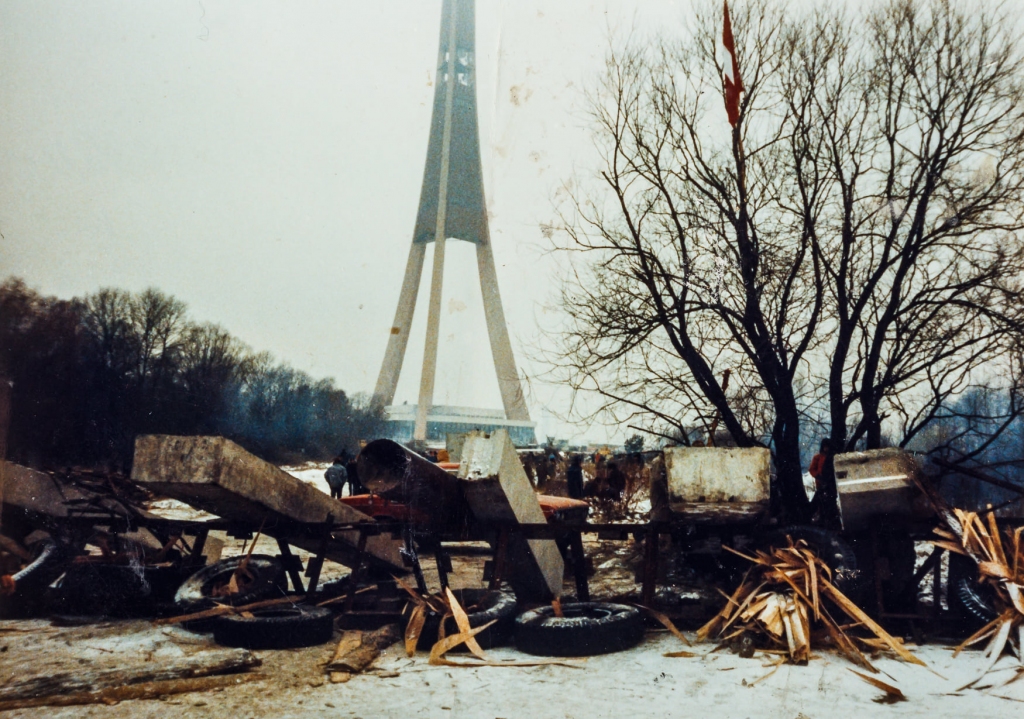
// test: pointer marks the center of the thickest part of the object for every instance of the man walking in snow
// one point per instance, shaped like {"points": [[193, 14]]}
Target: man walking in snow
{"points": [[336, 476]]}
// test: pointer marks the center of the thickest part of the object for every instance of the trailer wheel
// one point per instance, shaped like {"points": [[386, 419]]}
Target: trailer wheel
{"points": [[482, 606], [198, 591], [586, 629], [836, 553], [284, 627]]}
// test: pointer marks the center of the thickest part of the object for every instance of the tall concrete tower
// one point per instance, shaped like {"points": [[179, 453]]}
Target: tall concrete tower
{"points": [[452, 206]]}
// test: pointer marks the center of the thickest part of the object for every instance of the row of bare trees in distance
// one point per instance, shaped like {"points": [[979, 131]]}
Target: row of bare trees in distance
{"points": [[91, 373]]}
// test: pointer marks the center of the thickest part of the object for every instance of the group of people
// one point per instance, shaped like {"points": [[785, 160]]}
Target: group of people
{"points": [[610, 482], [343, 471]]}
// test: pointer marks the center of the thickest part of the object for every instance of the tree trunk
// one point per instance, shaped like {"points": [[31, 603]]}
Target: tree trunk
{"points": [[789, 472]]}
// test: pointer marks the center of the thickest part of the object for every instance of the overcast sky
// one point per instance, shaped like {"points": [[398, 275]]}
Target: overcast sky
{"points": [[262, 161]]}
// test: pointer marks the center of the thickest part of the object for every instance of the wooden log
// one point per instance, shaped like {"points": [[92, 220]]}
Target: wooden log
{"points": [[216, 475], [358, 650], [12, 547], [145, 690], [497, 490], [84, 679]]}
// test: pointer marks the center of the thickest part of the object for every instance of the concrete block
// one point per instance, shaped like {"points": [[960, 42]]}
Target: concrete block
{"points": [[878, 486], [216, 475], [718, 483], [496, 488]]}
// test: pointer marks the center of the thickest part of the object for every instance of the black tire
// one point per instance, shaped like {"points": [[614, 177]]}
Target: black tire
{"points": [[832, 549], [196, 593], [586, 629], [969, 600], [284, 627], [975, 600], [482, 606]]}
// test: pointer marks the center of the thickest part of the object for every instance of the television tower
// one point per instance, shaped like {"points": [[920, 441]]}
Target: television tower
{"points": [[451, 207]]}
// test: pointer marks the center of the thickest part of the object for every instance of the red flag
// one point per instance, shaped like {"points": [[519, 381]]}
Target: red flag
{"points": [[731, 73]]}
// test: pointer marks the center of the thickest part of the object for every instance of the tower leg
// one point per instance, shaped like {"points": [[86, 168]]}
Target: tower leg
{"points": [[440, 237], [387, 380], [430, 350], [501, 349]]}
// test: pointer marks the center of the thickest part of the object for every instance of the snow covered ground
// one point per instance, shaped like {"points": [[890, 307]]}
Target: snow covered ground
{"points": [[641, 682], [312, 473]]}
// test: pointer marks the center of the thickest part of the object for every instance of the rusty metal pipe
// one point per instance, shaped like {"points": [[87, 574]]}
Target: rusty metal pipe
{"points": [[388, 469]]}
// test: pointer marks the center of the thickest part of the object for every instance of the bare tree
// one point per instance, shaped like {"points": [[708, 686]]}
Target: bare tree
{"points": [[855, 240], [159, 323]]}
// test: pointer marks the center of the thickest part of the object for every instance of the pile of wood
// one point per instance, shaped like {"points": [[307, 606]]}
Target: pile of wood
{"points": [[787, 603], [1000, 559]]}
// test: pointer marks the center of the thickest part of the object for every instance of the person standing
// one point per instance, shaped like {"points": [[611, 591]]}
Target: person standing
{"points": [[354, 485], [336, 476], [574, 477], [826, 494], [616, 480]]}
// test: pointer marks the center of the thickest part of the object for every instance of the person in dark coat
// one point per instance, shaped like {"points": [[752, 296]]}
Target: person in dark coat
{"points": [[616, 482], [826, 495], [336, 476], [574, 478], [354, 485]]}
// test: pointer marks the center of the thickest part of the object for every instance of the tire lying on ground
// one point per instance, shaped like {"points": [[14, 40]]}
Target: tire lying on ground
{"points": [[283, 627], [266, 579], [586, 629], [482, 606]]}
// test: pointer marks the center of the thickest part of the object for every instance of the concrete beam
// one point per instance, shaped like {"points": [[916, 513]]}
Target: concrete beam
{"points": [[496, 488], [216, 475]]}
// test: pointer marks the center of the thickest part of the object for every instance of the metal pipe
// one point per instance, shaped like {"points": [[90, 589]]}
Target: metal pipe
{"points": [[388, 469]]}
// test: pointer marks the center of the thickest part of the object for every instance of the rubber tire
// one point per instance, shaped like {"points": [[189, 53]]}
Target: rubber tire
{"points": [[492, 605], [269, 580], [968, 599], [588, 628], [284, 627], [972, 598], [832, 549]]}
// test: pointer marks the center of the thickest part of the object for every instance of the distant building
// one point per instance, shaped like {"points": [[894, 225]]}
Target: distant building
{"points": [[401, 423]]}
